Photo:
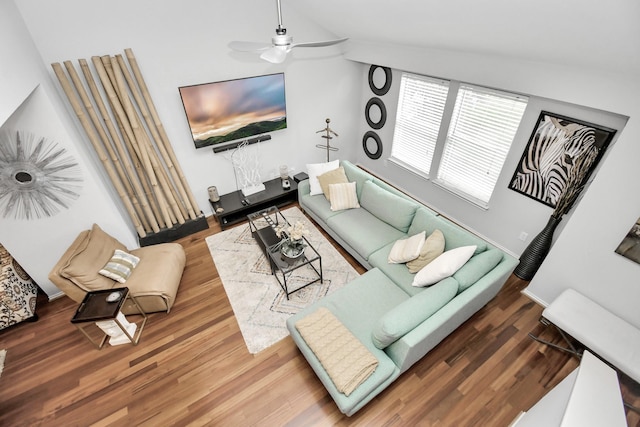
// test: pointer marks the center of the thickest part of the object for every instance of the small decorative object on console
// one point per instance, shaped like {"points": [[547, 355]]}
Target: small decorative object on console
{"points": [[300, 177], [213, 194]]}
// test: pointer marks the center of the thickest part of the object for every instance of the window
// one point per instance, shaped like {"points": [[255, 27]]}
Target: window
{"points": [[418, 119], [480, 133], [480, 128]]}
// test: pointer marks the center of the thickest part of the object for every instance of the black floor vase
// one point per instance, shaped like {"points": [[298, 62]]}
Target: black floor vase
{"points": [[536, 252]]}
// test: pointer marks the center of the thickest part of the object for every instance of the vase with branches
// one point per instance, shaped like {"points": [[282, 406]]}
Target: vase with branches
{"points": [[537, 250]]}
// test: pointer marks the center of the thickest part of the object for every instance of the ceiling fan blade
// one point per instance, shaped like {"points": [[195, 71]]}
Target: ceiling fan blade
{"points": [[275, 55], [241, 46], [319, 44]]}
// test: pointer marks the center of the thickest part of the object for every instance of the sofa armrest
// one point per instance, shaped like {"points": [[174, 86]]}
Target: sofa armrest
{"points": [[304, 188]]}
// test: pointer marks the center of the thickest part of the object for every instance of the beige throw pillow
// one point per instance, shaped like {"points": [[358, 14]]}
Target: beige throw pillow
{"points": [[343, 196], [408, 249], [433, 247], [336, 176]]}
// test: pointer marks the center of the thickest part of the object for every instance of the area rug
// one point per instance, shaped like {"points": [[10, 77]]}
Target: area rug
{"points": [[3, 354], [259, 303]]}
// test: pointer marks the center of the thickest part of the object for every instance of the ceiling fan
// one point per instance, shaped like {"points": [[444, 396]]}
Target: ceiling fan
{"points": [[281, 44]]}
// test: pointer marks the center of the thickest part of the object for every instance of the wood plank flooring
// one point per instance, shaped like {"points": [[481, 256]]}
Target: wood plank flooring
{"points": [[192, 368]]}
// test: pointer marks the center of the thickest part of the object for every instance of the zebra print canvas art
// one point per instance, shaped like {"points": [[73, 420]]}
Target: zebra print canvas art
{"points": [[558, 147]]}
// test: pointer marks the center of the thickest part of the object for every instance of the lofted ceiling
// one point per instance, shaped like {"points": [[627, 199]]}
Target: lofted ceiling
{"points": [[596, 34]]}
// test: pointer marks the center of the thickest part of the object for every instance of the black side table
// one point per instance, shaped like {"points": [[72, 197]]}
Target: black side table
{"points": [[96, 308]]}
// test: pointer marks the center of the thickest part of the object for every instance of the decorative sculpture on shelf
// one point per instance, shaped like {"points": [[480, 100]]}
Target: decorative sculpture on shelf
{"points": [[246, 166], [328, 137]]}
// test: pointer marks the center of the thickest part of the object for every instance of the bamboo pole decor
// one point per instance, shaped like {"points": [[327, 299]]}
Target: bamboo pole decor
{"points": [[126, 133]]}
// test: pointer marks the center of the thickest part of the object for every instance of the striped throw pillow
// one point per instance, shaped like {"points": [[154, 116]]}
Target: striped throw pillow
{"points": [[120, 266], [343, 196]]}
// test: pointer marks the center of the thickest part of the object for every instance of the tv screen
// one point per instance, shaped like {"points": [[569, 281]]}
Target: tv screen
{"points": [[233, 110]]}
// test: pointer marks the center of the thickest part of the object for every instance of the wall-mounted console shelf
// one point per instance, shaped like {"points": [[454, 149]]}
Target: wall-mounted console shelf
{"points": [[234, 210]]}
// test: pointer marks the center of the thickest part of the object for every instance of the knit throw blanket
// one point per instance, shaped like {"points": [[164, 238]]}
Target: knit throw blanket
{"points": [[347, 361]]}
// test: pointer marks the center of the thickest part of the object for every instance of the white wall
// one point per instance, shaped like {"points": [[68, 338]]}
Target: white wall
{"points": [[38, 243], [176, 44], [185, 43], [583, 255], [18, 76]]}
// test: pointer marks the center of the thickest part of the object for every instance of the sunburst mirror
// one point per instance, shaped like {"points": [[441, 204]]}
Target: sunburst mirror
{"points": [[38, 178]]}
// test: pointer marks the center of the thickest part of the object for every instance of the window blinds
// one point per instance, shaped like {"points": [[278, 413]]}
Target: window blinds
{"points": [[481, 131], [420, 109]]}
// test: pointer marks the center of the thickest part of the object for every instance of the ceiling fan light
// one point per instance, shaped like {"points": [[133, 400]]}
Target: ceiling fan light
{"points": [[282, 40], [275, 55]]}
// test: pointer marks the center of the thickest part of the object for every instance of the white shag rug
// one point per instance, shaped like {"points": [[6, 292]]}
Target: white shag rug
{"points": [[259, 303]]}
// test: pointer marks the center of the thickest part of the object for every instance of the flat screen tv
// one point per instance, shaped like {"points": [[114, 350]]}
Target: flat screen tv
{"points": [[234, 110]]}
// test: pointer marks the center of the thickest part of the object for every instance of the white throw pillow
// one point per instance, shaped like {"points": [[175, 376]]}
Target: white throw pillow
{"points": [[343, 196], [316, 169], [443, 266], [405, 250]]}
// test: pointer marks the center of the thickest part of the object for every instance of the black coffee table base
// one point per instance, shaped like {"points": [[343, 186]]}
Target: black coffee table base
{"points": [[263, 226]]}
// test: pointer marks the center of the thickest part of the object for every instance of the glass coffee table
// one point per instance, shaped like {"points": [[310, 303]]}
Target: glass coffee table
{"points": [[263, 226]]}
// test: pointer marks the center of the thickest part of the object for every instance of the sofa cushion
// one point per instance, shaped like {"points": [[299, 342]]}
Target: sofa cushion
{"points": [[454, 235], [443, 266], [120, 266], [343, 196], [423, 220], [433, 247], [476, 267], [358, 306], [355, 174], [90, 256], [396, 272], [319, 205], [407, 315], [408, 249], [336, 176], [316, 169], [355, 227], [390, 208], [155, 280]]}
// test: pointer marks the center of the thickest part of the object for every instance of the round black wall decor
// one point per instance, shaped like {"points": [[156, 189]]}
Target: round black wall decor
{"points": [[38, 178], [382, 90], [366, 139], [383, 113]]}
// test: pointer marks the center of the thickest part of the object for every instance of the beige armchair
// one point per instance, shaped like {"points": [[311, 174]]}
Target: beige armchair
{"points": [[154, 281]]}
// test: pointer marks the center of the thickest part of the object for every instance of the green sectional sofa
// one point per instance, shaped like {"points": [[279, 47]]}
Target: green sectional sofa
{"points": [[397, 322]]}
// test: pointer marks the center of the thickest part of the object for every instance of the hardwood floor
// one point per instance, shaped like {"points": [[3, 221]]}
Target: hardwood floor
{"points": [[191, 367]]}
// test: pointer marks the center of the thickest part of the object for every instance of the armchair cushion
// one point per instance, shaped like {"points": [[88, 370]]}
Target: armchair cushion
{"points": [[92, 253], [154, 282]]}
